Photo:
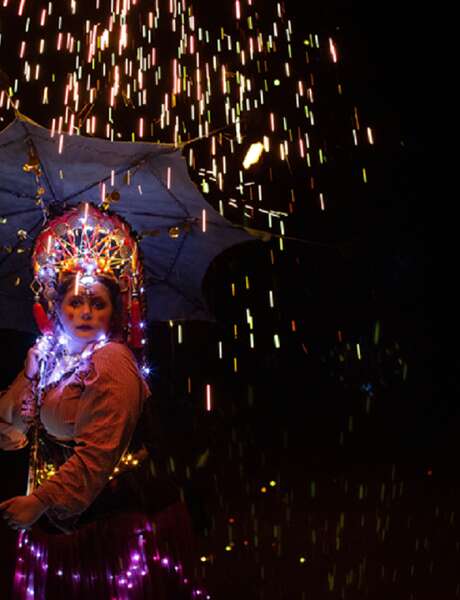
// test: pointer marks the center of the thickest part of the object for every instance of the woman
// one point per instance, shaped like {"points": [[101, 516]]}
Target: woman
{"points": [[96, 405], [82, 394]]}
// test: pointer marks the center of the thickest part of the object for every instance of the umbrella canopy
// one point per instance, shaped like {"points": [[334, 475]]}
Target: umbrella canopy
{"points": [[146, 184]]}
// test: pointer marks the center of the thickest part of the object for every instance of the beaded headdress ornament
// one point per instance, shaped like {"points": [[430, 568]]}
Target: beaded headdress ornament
{"points": [[89, 244]]}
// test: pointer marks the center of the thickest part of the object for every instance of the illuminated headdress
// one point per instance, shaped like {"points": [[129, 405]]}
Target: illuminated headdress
{"points": [[89, 244]]}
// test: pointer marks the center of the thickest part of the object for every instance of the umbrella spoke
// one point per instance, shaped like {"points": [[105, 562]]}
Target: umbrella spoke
{"points": [[149, 270], [17, 245], [151, 214], [17, 194], [13, 142], [178, 251], [44, 172], [168, 191], [90, 186], [180, 292], [175, 257], [16, 213]]}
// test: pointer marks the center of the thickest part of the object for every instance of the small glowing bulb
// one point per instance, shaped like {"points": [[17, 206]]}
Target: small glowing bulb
{"points": [[87, 280]]}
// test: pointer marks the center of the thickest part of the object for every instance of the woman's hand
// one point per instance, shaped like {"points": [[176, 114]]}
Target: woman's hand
{"points": [[32, 364], [21, 512]]}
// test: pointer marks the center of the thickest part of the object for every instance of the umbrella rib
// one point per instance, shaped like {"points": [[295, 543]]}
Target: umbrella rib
{"points": [[17, 194], [5, 258], [180, 220], [149, 214], [174, 260], [30, 140], [10, 142], [176, 257], [94, 184], [16, 213], [166, 281], [150, 271], [176, 289], [160, 181], [193, 301]]}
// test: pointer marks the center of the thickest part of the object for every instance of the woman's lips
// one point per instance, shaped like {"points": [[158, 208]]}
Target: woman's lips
{"points": [[84, 327]]}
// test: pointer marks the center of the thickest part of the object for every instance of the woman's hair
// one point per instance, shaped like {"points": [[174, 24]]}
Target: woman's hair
{"points": [[116, 322]]}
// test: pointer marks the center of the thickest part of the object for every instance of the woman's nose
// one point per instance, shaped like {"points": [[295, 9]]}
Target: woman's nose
{"points": [[86, 312]]}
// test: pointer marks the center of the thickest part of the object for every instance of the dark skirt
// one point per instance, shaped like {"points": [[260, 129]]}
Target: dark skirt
{"points": [[134, 542], [122, 556]]}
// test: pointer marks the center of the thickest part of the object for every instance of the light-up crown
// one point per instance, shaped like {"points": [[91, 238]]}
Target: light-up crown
{"points": [[88, 243]]}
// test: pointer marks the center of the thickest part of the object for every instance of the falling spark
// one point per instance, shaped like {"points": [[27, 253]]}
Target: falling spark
{"points": [[332, 50], [203, 220], [208, 398], [77, 283], [168, 178]]}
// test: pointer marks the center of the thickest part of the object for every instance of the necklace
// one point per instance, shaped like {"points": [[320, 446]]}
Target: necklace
{"points": [[58, 362], [55, 363]]}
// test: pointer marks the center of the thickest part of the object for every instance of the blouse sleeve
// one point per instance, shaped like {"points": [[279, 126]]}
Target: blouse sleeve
{"points": [[12, 427], [108, 411]]}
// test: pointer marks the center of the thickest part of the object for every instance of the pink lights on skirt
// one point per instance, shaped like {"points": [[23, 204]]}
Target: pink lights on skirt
{"points": [[127, 556]]}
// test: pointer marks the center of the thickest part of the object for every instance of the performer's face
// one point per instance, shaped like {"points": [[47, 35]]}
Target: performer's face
{"points": [[85, 314]]}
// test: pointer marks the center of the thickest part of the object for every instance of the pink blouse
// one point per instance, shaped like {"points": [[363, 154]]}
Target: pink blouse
{"points": [[99, 412]]}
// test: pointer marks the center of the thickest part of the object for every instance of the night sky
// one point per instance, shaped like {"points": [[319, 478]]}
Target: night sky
{"points": [[388, 64]]}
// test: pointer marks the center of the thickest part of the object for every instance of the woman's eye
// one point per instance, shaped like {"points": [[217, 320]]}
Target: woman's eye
{"points": [[99, 305], [75, 302]]}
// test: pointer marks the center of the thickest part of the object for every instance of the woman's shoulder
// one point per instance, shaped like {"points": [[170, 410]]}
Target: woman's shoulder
{"points": [[114, 349], [114, 364], [114, 358]]}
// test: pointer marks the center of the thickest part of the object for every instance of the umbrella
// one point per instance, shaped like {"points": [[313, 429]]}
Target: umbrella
{"points": [[146, 184]]}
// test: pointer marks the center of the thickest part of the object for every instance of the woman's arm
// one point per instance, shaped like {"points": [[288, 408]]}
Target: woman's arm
{"points": [[21, 512], [12, 427], [108, 411]]}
